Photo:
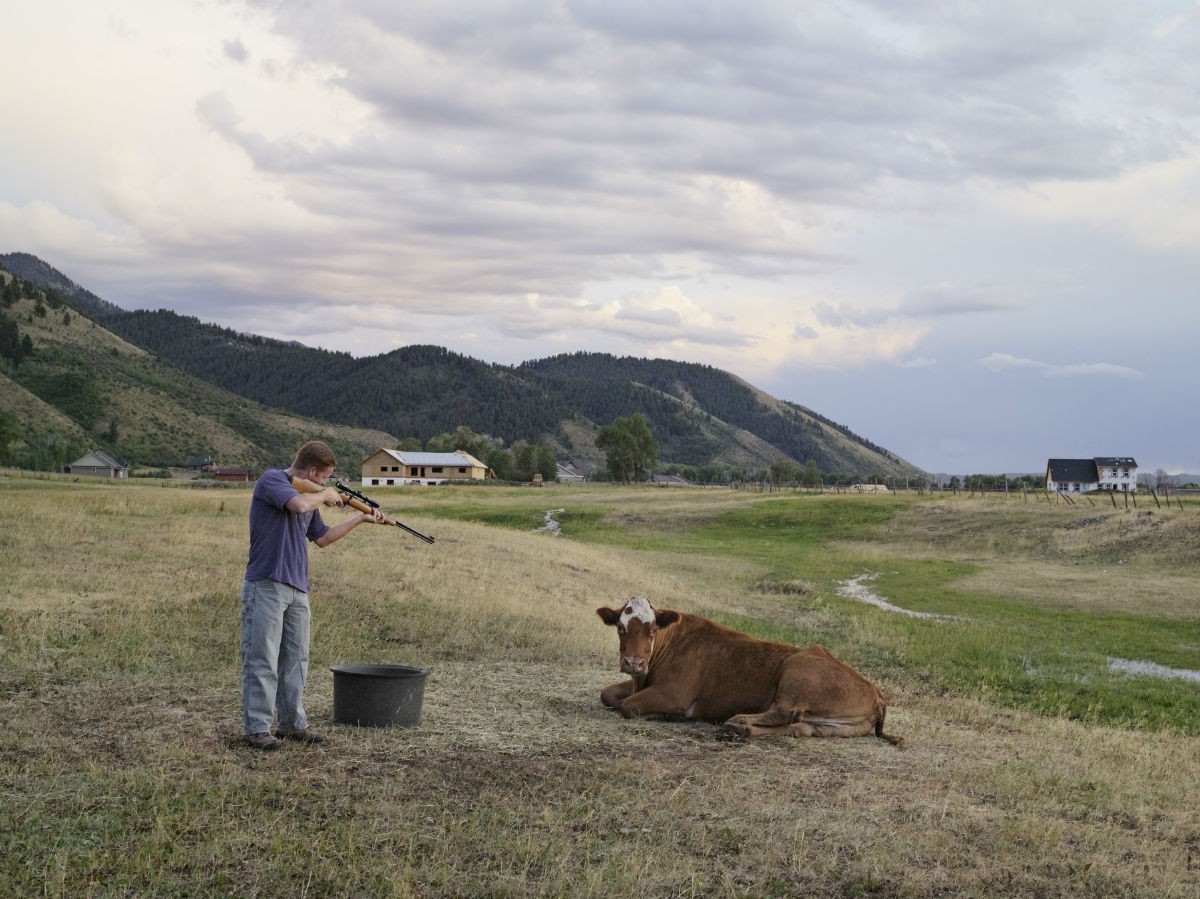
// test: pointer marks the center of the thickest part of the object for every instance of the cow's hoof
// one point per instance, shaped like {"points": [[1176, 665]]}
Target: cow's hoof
{"points": [[739, 731]]}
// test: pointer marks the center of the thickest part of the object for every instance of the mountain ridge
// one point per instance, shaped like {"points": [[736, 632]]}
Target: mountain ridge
{"points": [[700, 415]]}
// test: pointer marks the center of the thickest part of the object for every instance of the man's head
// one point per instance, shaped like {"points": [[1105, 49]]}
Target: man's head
{"points": [[314, 461]]}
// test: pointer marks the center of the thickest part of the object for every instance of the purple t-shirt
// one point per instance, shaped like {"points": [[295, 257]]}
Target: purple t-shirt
{"points": [[277, 536]]}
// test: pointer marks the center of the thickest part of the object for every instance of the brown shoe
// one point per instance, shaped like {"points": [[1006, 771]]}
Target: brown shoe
{"points": [[263, 741], [304, 736]]}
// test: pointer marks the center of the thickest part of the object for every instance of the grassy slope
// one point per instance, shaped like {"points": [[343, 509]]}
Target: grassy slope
{"points": [[122, 773], [38, 420], [162, 415]]}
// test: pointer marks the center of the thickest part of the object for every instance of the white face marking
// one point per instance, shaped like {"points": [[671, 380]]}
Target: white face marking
{"points": [[639, 607]]}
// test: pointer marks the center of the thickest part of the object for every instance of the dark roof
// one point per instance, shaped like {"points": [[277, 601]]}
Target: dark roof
{"points": [[1082, 470], [1115, 462]]}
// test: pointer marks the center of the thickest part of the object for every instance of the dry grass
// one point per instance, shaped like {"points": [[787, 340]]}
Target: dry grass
{"points": [[1093, 559], [122, 771]]}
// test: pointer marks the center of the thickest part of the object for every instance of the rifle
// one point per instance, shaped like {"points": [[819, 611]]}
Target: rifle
{"points": [[352, 497]]}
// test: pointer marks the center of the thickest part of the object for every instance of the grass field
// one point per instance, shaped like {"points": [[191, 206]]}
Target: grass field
{"points": [[1035, 765]]}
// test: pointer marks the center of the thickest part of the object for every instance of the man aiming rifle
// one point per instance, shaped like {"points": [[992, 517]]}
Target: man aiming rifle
{"points": [[352, 497], [275, 610]]}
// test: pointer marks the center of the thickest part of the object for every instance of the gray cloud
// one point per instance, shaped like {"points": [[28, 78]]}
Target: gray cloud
{"points": [[234, 49], [953, 300], [537, 148]]}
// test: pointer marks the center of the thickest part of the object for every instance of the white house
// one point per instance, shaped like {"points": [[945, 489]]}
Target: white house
{"points": [[1117, 473], [388, 468], [1084, 475]]}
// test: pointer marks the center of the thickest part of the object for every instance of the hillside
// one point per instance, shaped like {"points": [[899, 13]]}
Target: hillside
{"points": [[30, 268], [710, 408], [700, 415], [84, 387]]}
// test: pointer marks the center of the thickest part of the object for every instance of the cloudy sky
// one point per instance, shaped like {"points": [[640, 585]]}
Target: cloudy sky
{"points": [[970, 232]]}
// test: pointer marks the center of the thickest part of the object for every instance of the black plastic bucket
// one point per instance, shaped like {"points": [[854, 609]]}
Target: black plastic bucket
{"points": [[378, 695]]}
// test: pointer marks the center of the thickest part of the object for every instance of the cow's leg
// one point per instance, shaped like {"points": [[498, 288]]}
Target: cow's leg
{"points": [[810, 727], [652, 702], [614, 694], [746, 731], [847, 726], [776, 716]]}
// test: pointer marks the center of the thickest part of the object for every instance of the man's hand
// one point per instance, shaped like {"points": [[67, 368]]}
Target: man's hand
{"points": [[331, 497]]}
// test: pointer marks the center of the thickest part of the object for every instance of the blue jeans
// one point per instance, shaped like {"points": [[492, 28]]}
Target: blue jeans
{"points": [[275, 628]]}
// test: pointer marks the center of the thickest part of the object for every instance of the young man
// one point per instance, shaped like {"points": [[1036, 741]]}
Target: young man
{"points": [[275, 612]]}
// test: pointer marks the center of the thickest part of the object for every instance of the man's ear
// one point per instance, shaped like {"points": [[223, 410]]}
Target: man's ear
{"points": [[609, 616], [664, 617]]}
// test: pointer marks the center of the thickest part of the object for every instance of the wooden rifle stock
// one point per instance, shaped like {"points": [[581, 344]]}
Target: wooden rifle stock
{"points": [[357, 501]]}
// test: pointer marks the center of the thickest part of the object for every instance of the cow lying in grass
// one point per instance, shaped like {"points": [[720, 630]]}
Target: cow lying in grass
{"points": [[683, 666]]}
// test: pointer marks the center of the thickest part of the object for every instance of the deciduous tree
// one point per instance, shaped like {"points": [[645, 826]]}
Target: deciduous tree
{"points": [[631, 451]]}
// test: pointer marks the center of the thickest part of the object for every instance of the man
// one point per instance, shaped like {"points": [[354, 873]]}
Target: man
{"points": [[275, 612]]}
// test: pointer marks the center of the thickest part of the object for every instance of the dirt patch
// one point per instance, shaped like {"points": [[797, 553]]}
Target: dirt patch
{"points": [[1084, 522]]}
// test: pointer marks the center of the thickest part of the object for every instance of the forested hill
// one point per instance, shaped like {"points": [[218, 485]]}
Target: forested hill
{"points": [[798, 432], [69, 385], [29, 267], [700, 415]]}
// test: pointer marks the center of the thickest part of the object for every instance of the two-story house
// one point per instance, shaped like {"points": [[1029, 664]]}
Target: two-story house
{"points": [[1084, 475], [1117, 473]]}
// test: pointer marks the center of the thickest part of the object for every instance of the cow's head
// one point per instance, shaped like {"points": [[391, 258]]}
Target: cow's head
{"points": [[637, 625]]}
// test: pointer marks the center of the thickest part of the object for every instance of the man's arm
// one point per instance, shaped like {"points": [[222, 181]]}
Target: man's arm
{"points": [[306, 502], [337, 531]]}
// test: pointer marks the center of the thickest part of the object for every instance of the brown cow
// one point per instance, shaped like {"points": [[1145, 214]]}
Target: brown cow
{"points": [[685, 666]]}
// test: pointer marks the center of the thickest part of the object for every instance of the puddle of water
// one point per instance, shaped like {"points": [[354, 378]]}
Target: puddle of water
{"points": [[551, 525], [855, 589], [1150, 669]]}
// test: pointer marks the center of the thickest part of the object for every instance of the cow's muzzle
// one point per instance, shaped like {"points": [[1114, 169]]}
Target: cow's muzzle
{"points": [[633, 665]]}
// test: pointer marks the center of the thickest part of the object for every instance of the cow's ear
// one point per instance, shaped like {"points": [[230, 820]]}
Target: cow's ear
{"points": [[664, 617], [609, 616]]}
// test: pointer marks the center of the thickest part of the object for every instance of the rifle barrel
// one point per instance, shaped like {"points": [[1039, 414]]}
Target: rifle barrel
{"points": [[364, 504], [356, 500]]}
